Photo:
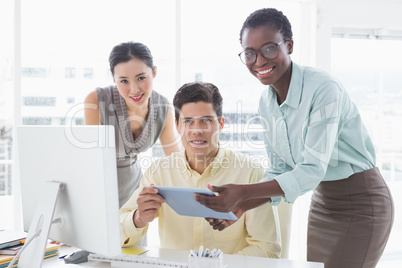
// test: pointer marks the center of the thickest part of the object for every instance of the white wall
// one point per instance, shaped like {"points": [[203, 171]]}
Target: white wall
{"points": [[366, 13], [323, 18]]}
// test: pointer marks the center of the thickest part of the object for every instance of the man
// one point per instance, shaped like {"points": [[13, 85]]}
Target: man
{"points": [[198, 114]]}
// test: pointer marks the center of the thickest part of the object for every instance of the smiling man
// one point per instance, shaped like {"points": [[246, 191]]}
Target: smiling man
{"points": [[199, 119]]}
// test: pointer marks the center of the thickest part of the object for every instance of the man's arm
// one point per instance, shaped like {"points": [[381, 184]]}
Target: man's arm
{"points": [[137, 212], [149, 203], [242, 207], [263, 235]]}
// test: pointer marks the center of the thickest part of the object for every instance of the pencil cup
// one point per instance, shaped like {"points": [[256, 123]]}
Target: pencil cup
{"points": [[205, 262]]}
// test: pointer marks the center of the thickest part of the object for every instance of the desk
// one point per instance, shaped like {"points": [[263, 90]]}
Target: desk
{"points": [[233, 261]]}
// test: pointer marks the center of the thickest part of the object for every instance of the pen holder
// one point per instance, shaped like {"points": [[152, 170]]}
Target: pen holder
{"points": [[205, 262]]}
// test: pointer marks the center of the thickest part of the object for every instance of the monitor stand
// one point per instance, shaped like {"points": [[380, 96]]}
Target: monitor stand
{"points": [[33, 253]]}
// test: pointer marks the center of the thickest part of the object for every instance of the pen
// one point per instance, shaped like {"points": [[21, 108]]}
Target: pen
{"points": [[62, 257], [206, 253], [200, 251], [192, 252], [217, 253], [212, 254]]}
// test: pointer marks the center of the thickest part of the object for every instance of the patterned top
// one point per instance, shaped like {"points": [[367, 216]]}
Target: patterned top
{"points": [[113, 111]]}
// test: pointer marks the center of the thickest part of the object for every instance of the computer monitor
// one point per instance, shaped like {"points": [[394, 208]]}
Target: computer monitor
{"points": [[82, 159]]}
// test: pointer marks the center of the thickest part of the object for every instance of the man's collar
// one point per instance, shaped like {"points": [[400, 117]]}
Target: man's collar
{"points": [[215, 163]]}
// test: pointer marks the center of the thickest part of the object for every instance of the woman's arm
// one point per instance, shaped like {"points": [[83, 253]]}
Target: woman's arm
{"points": [[92, 115], [168, 138], [240, 196]]}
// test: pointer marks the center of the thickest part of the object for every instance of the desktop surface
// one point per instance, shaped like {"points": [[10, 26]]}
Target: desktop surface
{"points": [[232, 261]]}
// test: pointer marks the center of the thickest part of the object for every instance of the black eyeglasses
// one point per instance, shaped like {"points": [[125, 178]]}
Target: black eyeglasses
{"points": [[269, 51]]}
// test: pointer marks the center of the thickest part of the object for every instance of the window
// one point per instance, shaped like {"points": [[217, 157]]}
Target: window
{"points": [[34, 72], [37, 121], [70, 100], [60, 69], [39, 101], [88, 73], [5, 163], [6, 96], [70, 72], [370, 69]]}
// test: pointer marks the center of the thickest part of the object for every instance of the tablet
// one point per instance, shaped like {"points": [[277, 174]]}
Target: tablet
{"points": [[182, 201]]}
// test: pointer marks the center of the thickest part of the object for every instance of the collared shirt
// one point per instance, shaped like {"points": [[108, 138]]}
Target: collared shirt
{"points": [[256, 233], [315, 135]]}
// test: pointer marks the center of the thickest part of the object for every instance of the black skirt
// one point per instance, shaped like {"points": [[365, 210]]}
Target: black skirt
{"points": [[350, 221]]}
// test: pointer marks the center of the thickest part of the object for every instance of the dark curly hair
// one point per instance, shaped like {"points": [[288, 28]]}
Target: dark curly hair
{"points": [[271, 17], [196, 92]]}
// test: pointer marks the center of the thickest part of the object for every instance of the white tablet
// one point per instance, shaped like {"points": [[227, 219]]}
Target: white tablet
{"points": [[182, 201]]}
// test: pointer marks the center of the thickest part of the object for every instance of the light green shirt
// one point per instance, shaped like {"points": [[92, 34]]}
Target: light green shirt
{"points": [[315, 135], [255, 233]]}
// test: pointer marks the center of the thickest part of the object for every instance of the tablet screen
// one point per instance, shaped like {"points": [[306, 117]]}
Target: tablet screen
{"points": [[181, 200]]}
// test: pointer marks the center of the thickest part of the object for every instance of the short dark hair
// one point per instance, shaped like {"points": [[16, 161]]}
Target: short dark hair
{"points": [[130, 50], [196, 92], [271, 17]]}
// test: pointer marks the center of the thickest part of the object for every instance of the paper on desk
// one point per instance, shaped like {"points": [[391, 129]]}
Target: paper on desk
{"points": [[133, 251]]}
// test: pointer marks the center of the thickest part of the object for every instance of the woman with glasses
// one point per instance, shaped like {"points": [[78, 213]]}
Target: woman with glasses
{"points": [[316, 141]]}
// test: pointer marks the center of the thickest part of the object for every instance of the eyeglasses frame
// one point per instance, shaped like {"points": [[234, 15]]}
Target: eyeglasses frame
{"points": [[256, 53]]}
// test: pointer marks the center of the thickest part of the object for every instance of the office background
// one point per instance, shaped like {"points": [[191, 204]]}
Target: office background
{"points": [[53, 53]]}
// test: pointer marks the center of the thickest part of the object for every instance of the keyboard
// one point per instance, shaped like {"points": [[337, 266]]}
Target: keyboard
{"points": [[143, 261]]}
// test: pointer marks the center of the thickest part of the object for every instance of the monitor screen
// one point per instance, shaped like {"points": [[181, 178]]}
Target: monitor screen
{"points": [[83, 158]]}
